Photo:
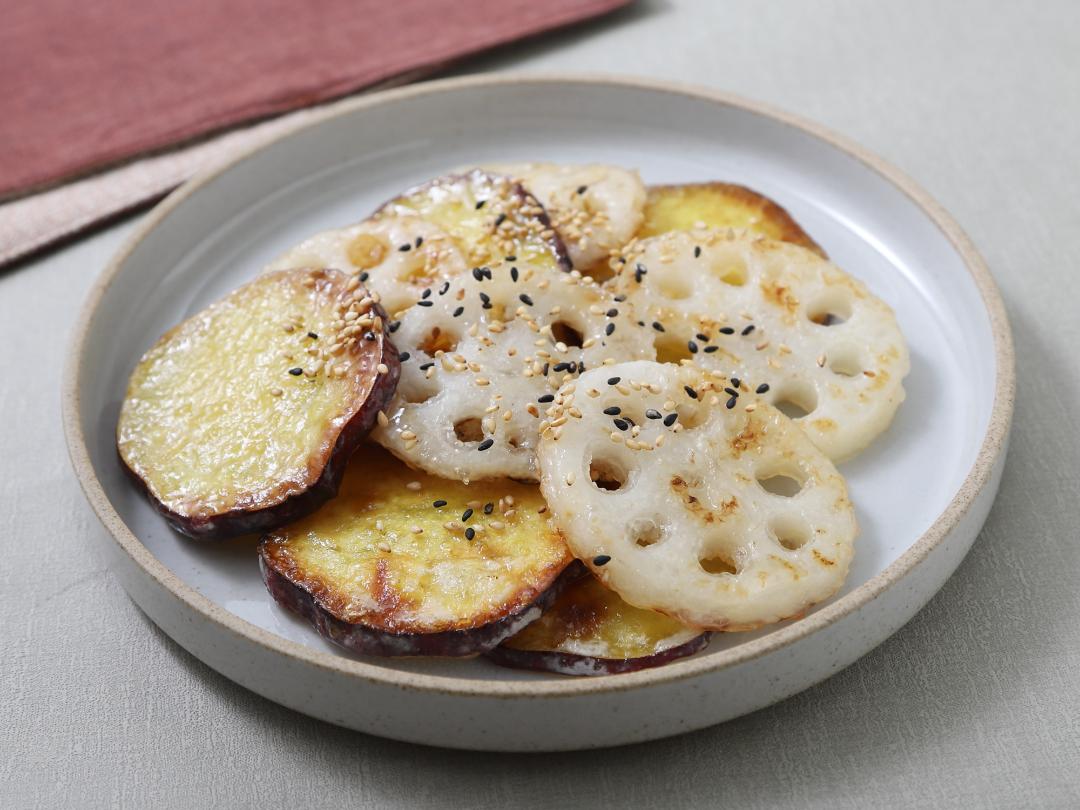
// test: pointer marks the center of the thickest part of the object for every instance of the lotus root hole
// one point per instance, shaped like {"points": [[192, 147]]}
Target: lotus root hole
{"points": [[782, 484], [646, 533], [469, 430], [607, 475], [791, 532], [671, 349], [438, 340], [846, 360], [795, 400], [730, 269], [718, 562], [674, 286], [565, 333], [831, 309], [416, 396]]}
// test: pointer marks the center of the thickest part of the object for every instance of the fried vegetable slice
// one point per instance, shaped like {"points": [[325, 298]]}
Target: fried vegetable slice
{"points": [[489, 217], [403, 563], [594, 208], [711, 507], [590, 630], [242, 417], [720, 205], [486, 354], [396, 257], [776, 315]]}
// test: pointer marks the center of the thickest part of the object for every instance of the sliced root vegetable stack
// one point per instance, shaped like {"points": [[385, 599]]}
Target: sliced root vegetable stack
{"points": [[724, 518], [403, 563], [813, 339], [396, 257], [489, 217], [595, 208], [720, 205], [589, 630], [241, 418], [483, 357]]}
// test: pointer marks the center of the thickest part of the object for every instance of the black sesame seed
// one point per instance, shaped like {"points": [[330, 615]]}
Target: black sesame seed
{"points": [[690, 392], [478, 273], [761, 389], [500, 219], [510, 258], [489, 507], [364, 277], [609, 329], [613, 380], [480, 204], [671, 419], [525, 300], [659, 327], [561, 367], [444, 288], [747, 330], [621, 424], [486, 305], [727, 330], [423, 303], [641, 323], [419, 241], [470, 533], [426, 366], [313, 335], [404, 248], [697, 251], [485, 298], [611, 313], [466, 515], [601, 559], [485, 444], [546, 369], [731, 402], [458, 311], [652, 413], [691, 346], [545, 398], [731, 391], [486, 271], [513, 273], [614, 410], [439, 503], [296, 372], [394, 326], [581, 189], [702, 337], [710, 349], [619, 298], [426, 293], [403, 357], [639, 271], [735, 382]]}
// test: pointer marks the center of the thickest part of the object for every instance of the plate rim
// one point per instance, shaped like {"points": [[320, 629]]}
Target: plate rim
{"points": [[991, 447]]}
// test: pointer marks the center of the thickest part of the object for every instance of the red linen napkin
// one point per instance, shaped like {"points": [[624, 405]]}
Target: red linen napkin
{"points": [[89, 83]]}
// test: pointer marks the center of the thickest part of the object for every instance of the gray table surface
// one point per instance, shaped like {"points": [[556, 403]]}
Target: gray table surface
{"points": [[976, 702]]}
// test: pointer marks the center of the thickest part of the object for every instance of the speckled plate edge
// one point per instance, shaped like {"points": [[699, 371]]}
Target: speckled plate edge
{"points": [[992, 446]]}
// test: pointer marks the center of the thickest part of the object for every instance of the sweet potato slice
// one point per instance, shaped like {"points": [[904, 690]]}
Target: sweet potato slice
{"points": [[490, 217], [403, 563], [720, 205], [590, 630], [241, 418]]}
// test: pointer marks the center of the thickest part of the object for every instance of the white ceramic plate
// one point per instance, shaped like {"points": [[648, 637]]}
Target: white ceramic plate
{"points": [[922, 491]]}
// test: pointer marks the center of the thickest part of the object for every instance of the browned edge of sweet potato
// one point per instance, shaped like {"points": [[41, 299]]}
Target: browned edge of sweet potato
{"points": [[259, 518], [360, 638], [558, 247], [790, 230], [572, 664]]}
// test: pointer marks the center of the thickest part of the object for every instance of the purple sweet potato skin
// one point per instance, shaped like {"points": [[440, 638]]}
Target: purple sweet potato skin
{"points": [[358, 638], [259, 519], [571, 664]]}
